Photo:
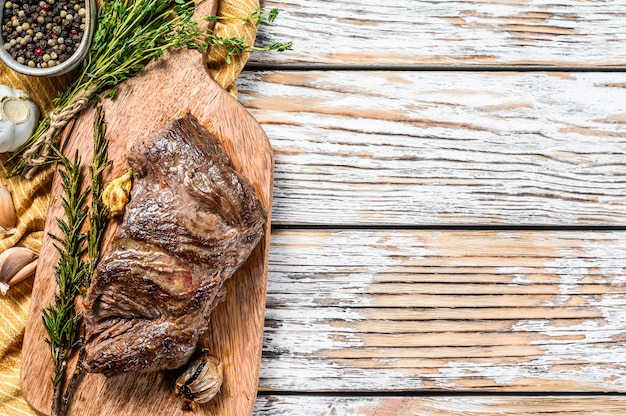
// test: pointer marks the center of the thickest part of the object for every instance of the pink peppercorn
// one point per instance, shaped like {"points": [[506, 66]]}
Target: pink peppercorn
{"points": [[38, 51], [46, 6]]}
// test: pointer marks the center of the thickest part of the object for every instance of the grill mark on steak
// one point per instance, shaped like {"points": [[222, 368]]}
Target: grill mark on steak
{"points": [[191, 222]]}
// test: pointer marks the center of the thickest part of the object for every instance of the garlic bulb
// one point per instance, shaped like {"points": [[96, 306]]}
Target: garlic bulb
{"points": [[18, 118]]}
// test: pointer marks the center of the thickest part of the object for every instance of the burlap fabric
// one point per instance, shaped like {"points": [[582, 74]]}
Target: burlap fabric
{"points": [[31, 197]]}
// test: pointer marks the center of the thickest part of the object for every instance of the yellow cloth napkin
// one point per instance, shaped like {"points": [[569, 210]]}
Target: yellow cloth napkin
{"points": [[31, 197]]}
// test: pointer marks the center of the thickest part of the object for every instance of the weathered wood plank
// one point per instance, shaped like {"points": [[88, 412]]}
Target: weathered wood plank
{"points": [[450, 33], [398, 310], [431, 148], [273, 405]]}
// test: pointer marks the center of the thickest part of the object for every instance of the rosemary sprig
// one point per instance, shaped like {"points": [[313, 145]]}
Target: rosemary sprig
{"points": [[60, 318], [98, 215], [72, 273]]}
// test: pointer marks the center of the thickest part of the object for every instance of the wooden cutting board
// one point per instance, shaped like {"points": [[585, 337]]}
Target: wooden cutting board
{"points": [[176, 84]]}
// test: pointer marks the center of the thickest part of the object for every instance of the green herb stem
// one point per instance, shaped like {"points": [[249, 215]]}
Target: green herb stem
{"points": [[60, 318], [234, 46], [129, 35], [98, 218], [73, 274]]}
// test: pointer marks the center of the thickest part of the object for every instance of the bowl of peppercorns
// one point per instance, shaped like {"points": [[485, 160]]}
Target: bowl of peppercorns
{"points": [[46, 37]]}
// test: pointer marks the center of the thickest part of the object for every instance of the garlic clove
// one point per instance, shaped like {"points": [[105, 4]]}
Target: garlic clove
{"points": [[201, 380], [25, 272], [115, 195], [8, 219], [12, 262], [5, 233]]}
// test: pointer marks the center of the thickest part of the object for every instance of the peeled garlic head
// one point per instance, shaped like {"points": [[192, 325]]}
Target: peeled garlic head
{"points": [[18, 118]]}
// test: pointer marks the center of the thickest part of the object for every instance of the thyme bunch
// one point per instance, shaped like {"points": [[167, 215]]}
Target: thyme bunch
{"points": [[73, 274], [130, 34]]}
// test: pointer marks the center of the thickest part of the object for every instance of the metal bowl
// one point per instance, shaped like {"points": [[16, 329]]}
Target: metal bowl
{"points": [[71, 63]]}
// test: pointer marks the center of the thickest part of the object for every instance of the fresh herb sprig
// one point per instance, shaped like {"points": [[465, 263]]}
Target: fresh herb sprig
{"points": [[129, 35], [98, 214], [258, 16], [73, 274], [236, 45], [60, 318]]}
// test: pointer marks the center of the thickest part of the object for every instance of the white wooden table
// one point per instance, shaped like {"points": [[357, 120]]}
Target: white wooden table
{"points": [[450, 207]]}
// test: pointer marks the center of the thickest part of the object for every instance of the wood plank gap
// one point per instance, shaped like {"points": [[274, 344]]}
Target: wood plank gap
{"points": [[252, 67], [438, 393], [452, 227]]}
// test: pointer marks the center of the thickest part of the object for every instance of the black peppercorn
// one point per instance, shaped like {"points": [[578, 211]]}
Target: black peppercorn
{"points": [[52, 26]]}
